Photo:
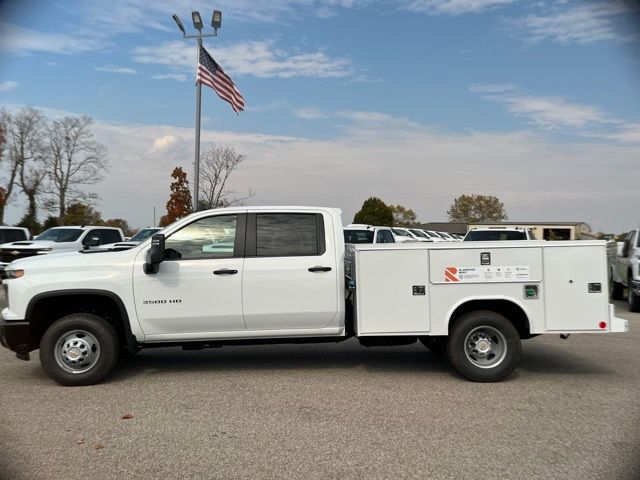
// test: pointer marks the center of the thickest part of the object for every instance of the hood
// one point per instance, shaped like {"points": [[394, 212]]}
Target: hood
{"points": [[35, 245], [72, 260]]}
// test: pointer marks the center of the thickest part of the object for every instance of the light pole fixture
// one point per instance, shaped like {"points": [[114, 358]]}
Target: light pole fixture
{"points": [[216, 23]]}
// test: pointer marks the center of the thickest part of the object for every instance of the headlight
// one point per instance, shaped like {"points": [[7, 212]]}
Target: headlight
{"points": [[44, 250], [14, 273]]}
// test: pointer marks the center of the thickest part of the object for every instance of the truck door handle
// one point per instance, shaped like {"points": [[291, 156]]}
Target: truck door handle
{"points": [[225, 271], [320, 269]]}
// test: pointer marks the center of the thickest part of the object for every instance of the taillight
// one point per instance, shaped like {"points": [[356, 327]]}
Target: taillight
{"points": [[603, 325]]}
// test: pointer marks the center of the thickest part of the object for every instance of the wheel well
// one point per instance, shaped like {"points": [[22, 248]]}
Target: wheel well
{"points": [[511, 311], [44, 312]]}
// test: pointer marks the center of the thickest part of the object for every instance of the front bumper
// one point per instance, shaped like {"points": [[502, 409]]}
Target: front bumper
{"points": [[15, 336]]}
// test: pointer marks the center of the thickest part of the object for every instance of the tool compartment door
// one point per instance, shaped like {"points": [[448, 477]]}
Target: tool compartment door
{"points": [[392, 292], [568, 271]]}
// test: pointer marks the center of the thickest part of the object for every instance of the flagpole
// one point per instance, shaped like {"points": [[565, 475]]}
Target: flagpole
{"points": [[196, 174], [216, 22]]}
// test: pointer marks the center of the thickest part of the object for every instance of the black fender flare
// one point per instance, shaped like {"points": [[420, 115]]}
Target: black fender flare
{"points": [[132, 341]]}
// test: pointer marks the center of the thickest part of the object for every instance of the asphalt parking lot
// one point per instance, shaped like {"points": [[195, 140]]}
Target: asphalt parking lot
{"points": [[572, 411]]}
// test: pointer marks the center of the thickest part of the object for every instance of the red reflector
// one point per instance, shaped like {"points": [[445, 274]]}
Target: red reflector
{"points": [[603, 325]]}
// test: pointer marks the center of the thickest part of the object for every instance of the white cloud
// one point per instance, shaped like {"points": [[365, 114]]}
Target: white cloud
{"points": [[375, 153], [164, 142], [544, 111], [553, 112], [114, 69], [453, 7], [310, 113], [626, 133], [18, 40], [583, 23], [492, 87], [257, 58], [179, 77], [8, 85], [557, 113]]}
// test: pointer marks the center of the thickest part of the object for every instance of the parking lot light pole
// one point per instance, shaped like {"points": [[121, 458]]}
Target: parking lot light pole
{"points": [[216, 23]]}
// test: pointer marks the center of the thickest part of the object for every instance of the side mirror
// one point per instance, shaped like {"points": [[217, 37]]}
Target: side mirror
{"points": [[155, 255], [91, 242], [625, 248]]}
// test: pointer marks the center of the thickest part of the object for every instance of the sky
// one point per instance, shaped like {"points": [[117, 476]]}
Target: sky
{"points": [[413, 101]]}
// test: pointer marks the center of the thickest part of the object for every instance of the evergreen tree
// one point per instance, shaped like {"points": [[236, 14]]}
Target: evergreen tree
{"points": [[375, 212]]}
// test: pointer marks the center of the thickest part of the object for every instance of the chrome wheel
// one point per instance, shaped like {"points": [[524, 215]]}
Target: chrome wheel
{"points": [[77, 351], [485, 347]]}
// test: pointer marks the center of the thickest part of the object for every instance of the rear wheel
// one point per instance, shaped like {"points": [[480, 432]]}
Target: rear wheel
{"points": [[634, 299], [79, 349], [484, 346]]}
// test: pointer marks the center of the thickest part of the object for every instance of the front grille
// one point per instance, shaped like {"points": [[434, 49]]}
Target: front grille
{"points": [[8, 255]]}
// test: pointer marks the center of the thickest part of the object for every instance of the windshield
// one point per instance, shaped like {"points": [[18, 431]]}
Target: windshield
{"points": [[61, 235], [398, 231], [144, 234], [419, 233], [358, 236], [491, 235], [9, 235]]}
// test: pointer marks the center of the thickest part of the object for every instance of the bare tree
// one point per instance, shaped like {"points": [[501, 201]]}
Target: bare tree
{"points": [[25, 154], [73, 160], [216, 166], [10, 170]]}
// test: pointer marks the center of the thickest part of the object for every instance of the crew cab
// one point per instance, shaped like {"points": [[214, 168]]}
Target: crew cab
{"points": [[251, 275], [624, 265]]}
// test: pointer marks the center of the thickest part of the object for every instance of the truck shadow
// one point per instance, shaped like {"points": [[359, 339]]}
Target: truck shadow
{"points": [[536, 359]]}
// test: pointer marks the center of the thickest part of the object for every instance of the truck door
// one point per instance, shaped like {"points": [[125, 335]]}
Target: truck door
{"points": [[198, 288], [290, 273]]}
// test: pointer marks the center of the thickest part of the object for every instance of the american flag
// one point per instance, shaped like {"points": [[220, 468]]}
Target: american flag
{"points": [[211, 74]]}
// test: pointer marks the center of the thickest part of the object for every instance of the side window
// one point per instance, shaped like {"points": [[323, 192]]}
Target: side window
{"points": [[90, 234], [384, 236], [210, 237], [289, 234], [109, 236]]}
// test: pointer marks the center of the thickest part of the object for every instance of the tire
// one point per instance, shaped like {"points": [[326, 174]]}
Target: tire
{"points": [[615, 289], [79, 349], [634, 299], [475, 338], [436, 345]]}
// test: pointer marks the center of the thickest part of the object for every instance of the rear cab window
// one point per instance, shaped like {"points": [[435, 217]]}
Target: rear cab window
{"points": [[360, 236], [289, 234], [495, 235]]}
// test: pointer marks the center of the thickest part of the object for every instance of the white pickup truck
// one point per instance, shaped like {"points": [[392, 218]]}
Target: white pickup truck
{"points": [[282, 275], [624, 264]]}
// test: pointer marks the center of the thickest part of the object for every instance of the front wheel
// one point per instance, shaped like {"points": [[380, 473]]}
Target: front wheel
{"points": [[79, 349], [484, 346]]}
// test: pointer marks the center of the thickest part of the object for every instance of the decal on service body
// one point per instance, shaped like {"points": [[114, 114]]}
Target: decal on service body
{"points": [[486, 274], [161, 302]]}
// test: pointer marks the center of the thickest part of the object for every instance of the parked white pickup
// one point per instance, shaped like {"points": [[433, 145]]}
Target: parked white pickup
{"points": [[624, 267], [280, 274]]}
